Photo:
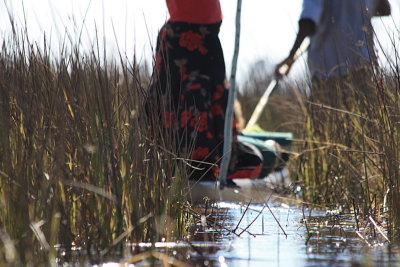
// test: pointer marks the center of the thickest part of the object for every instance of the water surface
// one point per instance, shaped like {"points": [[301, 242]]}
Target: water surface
{"points": [[259, 228]]}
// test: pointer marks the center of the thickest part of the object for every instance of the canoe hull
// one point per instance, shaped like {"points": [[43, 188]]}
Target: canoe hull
{"points": [[273, 147], [254, 190]]}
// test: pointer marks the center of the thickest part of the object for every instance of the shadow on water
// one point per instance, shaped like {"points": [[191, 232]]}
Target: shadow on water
{"points": [[270, 231]]}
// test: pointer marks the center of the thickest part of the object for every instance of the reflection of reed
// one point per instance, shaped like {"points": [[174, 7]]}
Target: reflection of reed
{"points": [[337, 233]]}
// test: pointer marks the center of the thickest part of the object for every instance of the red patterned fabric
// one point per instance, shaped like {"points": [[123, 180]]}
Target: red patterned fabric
{"points": [[189, 85], [251, 172], [195, 11]]}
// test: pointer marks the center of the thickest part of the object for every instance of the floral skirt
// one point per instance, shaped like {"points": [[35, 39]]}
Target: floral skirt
{"points": [[189, 84]]}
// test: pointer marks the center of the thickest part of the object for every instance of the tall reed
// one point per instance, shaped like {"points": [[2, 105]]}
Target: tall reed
{"points": [[345, 156], [79, 165], [350, 158]]}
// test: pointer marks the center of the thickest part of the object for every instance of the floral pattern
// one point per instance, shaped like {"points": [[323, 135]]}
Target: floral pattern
{"points": [[189, 78], [190, 40], [199, 122], [169, 118], [200, 153]]}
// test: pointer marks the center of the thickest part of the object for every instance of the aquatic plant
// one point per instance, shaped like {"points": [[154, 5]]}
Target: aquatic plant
{"points": [[352, 162], [80, 167]]}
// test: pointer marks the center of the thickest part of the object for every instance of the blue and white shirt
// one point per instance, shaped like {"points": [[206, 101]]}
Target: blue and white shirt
{"points": [[342, 41]]}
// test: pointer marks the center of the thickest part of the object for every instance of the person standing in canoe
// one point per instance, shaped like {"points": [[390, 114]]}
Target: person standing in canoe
{"points": [[189, 84], [341, 52], [341, 59], [343, 65]]}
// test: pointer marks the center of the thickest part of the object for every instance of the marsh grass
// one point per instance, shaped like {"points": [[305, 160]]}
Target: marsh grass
{"points": [[80, 166], [351, 158], [345, 155]]}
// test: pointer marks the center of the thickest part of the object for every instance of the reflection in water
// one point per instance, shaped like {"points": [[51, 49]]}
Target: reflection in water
{"points": [[228, 234]]}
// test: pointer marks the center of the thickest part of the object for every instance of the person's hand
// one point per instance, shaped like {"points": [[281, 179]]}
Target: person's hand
{"points": [[283, 68], [383, 8]]}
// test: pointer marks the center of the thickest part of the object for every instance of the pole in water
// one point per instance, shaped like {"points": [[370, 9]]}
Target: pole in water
{"points": [[226, 157]]}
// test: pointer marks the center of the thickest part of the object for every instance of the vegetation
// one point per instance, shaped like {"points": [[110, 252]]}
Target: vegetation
{"points": [[79, 165], [346, 157], [82, 169]]}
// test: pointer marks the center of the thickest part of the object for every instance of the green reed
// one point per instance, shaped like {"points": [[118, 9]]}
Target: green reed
{"points": [[79, 165]]}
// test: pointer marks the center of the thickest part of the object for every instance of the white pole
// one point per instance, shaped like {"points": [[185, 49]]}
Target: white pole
{"points": [[229, 109]]}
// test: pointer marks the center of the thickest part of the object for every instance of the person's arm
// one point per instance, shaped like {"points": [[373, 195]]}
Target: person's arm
{"points": [[307, 28], [383, 8]]}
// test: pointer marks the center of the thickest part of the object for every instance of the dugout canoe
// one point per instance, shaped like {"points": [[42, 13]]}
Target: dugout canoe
{"points": [[274, 176], [274, 147], [254, 190]]}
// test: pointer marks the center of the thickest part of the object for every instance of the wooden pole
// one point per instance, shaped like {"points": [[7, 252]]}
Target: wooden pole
{"points": [[229, 109], [273, 84]]}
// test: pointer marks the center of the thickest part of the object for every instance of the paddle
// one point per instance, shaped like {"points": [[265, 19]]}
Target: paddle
{"points": [[261, 104], [272, 85]]}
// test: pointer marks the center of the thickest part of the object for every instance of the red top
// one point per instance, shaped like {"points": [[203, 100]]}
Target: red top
{"points": [[195, 11]]}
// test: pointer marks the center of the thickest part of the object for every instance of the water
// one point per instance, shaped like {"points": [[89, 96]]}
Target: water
{"points": [[282, 233], [303, 237]]}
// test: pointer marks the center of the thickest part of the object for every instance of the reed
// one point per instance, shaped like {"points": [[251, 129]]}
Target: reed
{"points": [[80, 168], [350, 159], [345, 155]]}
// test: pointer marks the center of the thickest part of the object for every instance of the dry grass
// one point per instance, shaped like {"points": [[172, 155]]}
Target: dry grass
{"points": [[80, 166], [347, 155]]}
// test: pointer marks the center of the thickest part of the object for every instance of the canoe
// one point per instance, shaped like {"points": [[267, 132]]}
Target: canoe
{"points": [[274, 176], [273, 147], [254, 190]]}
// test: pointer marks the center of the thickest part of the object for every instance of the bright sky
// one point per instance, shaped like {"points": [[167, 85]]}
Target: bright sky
{"points": [[268, 26]]}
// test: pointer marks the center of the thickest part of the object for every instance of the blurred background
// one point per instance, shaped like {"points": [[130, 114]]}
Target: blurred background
{"points": [[268, 27]]}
